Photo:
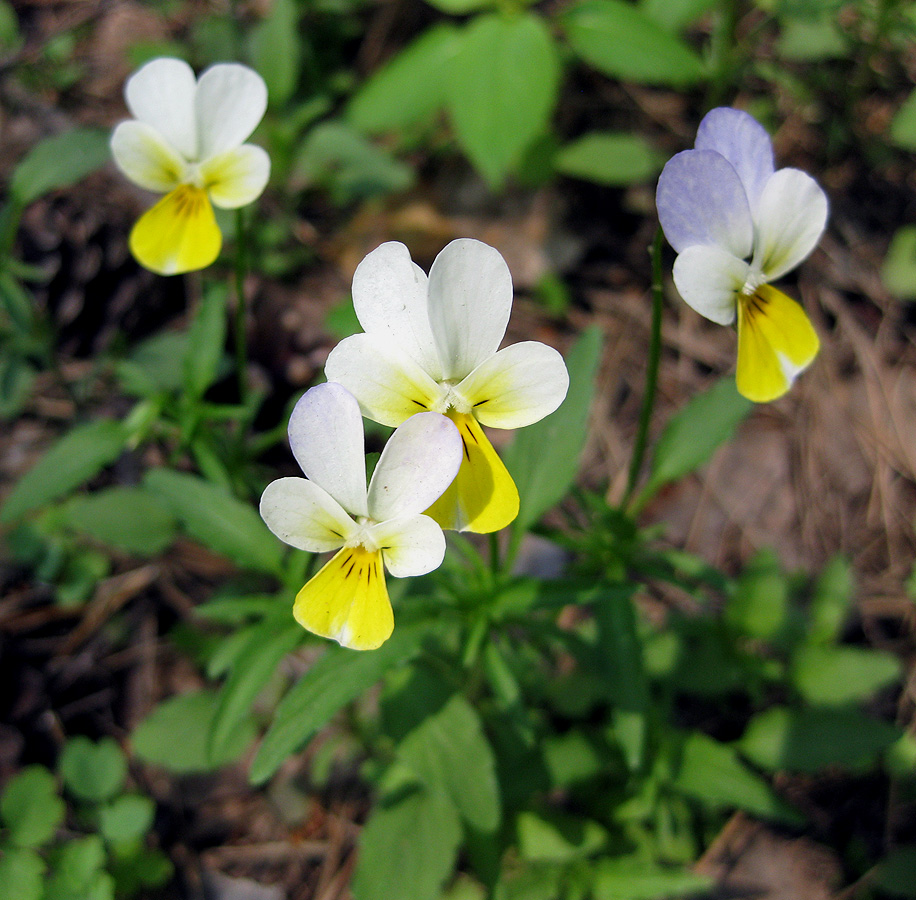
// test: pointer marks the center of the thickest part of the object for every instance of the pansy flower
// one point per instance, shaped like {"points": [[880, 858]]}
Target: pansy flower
{"points": [[186, 141], [372, 529], [433, 344], [737, 224]]}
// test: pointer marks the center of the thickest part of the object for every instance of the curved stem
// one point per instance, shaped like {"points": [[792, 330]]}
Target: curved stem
{"points": [[655, 349]]}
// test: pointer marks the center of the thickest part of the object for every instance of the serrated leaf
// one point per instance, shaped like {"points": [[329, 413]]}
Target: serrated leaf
{"points": [[502, 90], [217, 519], [190, 716], [267, 645], [609, 157], [129, 518], [622, 41], [79, 455], [93, 771], [694, 433], [21, 874], [409, 88], [275, 52], [834, 676], [810, 740], [713, 772], [408, 847], [338, 678], [449, 749], [31, 808], [544, 458], [206, 338], [58, 162]]}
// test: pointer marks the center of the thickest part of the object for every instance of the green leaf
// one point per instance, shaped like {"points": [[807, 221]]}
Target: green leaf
{"points": [[810, 740], [675, 14], [58, 162], [191, 717], [338, 678], [275, 51], [10, 41], [408, 847], [22, 874], [129, 518], [903, 125], [267, 645], [712, 772], [622, 41], [502, 90], [151, 366], [127, 818], [78, 872], [409, 88], [830, 602], [632, 878], [609, 157], [206, 338], [31, 808], [217, 519], [449, 749], [896, 873], [898, 272], [812, 41], [544, 458], [557, 837], [462, 7], [834, 676], [79, 455], [93, 771], [759, 604], [694, 433]]}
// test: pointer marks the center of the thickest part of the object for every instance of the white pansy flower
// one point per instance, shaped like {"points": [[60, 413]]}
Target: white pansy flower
{"points": [[373, 528], [433, 344], [186, 140]]}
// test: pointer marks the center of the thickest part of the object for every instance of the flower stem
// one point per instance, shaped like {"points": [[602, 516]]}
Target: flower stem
{"points": [[655, 348], [241, 331]]}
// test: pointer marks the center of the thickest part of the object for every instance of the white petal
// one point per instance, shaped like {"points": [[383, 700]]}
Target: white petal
{"points": [[419, 462], [146, 158], [306, 516], [389, 296], [744, 142], [388, 384], [326, 437], [237, 177], [709, 280], [701, 200], [412, 546], [470, 298], [517, 386], [790, 221], [231, 99], [161, 93]]}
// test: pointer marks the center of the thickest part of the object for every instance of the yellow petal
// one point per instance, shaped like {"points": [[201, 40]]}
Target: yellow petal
{"points": [[179, 234], [347, 601], [776, 341], [483, 496]]}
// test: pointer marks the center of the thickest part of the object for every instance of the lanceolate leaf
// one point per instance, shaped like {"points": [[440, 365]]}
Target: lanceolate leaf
{"points": [[503, 88]]}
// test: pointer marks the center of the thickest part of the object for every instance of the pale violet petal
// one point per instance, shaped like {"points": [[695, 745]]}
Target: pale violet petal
{"points": [[744, 142], [146, 158], [470, 298], [701, 200], [419, 462], [326, 437], [231, 99], [710, 279], [390, 300], [412, 546], [790, 221], [237, 177], [517, 386], [161, 93], [304, 515], [388, 384]]}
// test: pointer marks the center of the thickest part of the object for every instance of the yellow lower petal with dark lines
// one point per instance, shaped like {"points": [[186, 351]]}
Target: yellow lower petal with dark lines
{"points": [[483, 497], [347, 600], [776, 341], [179, 234]]}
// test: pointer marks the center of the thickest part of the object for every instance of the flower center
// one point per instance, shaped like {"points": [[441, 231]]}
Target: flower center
{"points": [[362, 536], [452, 400], [755, 278]]}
